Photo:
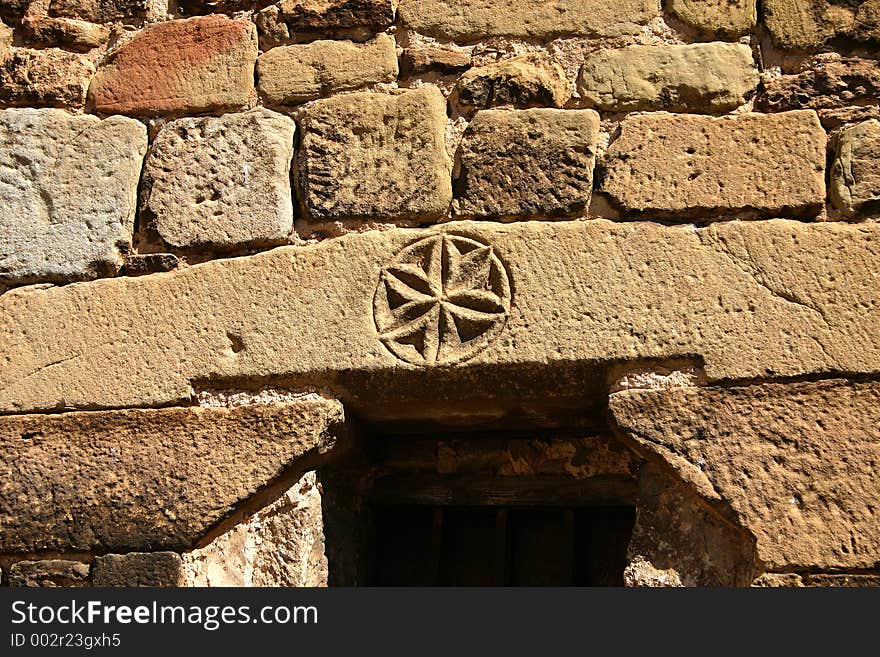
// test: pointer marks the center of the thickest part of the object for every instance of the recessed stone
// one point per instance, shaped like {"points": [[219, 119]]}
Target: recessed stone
{"points": [[375, 156], [529, 80], [49, 573], [48, 77], [295, 74], [139, 569], [191, 65], [802, 25], [717, 18], [67, 201], [220, 182], [855, 176], [527, 163], [702, 77], [284, 20], [686, 165]]}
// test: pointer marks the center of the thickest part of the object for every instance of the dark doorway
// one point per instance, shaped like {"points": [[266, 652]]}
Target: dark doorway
{"points": [[422, 545]]}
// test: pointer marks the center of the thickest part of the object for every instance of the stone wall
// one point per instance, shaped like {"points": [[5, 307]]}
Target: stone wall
{"points": [[240, 238]]}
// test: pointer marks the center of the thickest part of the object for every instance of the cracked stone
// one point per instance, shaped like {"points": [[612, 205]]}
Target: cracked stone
{"points": [[375, 156], [220, 182], [49, 573], [191, 65], [791, 463], [294, 74], [67, 32], [810, 24], [139, 569], [529, 80], [68, 213], [286, 19], [147, 479], [855, 177], [108, 11], [685, 165], [702, 77], [471, 20], [527, 163], [752, 299]]}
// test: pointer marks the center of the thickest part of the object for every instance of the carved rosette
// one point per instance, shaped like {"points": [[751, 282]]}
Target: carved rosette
{"points": [[442, 300]]}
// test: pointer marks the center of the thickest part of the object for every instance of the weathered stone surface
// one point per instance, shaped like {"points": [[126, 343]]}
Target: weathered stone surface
{"points": [[286, 18], [146, 479], [48, 573], [810, 24], [280, 545], [529, 80], [418, 58], [717, 18], [703, 77], [5, 39], [139, 569], [190, 65], [140, 264], [795, 464], [830, 84], [752, 299], [46, 77], [375, 156], [68, 188], [106, 11], [684, 165], [527, 163], [221, 182], [678, 541], [67, 32], [295, 74], [855, 172], [12, 10], [471, 20]]}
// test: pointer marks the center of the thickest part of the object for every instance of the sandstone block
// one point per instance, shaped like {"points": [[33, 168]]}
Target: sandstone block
{"points": [[684, 165], [295, 74], [282, 544], [138, 569], [795, 464], [418, 58], [147, 479], [141, 264], [67, 32], [191, 65], [6, 35], [107, 11], [717, 18], [472, 20], [751, 299], [283, 20], [703, 77], [855, 174], [527, 163], [524, 81], [49, 573], [47, 77], [375, 156], [810, 24], [67, 195], [220, 182]]}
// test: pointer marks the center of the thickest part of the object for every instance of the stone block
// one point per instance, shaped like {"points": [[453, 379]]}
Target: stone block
{"points": [[855, 171], [524, 81], [48, 77], [156, 569], [49, 573]]}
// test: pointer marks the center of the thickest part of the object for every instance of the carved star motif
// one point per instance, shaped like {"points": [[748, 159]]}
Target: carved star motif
{"points": [[442, 300]]}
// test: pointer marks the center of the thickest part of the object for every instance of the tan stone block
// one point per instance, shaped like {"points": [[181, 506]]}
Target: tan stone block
{"points": [[418, 58], [139, 569], [67, 212], [191, 65], [5, 39], [702, 77], [106, 11], [67, 32], [295, 74], [49, 573], [810, 24], [282, 544], [529, 80], [375, 156], [717, 18], [855, 171], [527, 163], [751, 299], [472, 20], [685, 165], [220, 182], [147, 479], [47, 77], [795, 464]]}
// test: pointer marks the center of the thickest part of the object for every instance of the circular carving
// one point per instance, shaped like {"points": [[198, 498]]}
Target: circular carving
{"points": [[442, 300]]}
